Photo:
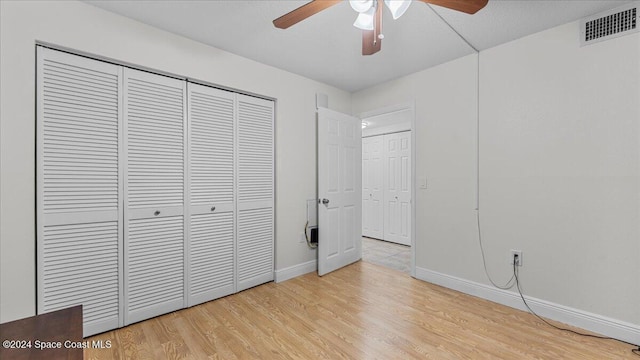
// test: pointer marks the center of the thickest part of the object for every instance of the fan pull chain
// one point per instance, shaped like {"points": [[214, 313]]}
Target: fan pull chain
{"points": [[379, 36]]}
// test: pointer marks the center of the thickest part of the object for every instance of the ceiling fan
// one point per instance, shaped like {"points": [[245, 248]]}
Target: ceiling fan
{"points": [[370, 15]]}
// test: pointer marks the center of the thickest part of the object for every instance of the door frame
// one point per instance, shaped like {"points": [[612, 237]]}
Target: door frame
{"points": [[411, 106]]}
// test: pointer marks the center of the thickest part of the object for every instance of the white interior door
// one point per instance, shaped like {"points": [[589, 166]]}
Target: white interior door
{"points": [[339, 190], [255, 191], [397, 187], [211, 179], [154, 195], [79, 197], [372, 210]]}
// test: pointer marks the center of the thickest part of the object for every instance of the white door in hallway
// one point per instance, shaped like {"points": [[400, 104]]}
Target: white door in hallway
{"points": [[372, 219], [339, 190], [397, 187]]}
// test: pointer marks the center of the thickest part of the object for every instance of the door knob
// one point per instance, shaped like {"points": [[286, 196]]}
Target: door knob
{"points": [[325, 201]]}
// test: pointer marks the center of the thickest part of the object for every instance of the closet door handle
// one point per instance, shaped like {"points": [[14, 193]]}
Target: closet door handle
{"points": [[213, 208], [156, 213]]}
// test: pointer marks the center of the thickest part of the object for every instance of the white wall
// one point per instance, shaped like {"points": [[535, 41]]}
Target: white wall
{"points": [[560, 167], [86, 28]]}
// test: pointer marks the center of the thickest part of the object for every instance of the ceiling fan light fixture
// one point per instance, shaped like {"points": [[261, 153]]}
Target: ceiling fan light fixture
{"points": [[364, 20], [397, 7], [361, 5], [370, 15]]}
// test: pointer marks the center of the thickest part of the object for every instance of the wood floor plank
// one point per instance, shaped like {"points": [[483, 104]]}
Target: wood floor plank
{"points": [[363, 311]]}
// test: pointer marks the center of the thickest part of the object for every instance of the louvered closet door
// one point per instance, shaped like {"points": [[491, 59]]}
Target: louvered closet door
{"points": [[255, 191], [211, 242], [79, 217], [155, 193]]}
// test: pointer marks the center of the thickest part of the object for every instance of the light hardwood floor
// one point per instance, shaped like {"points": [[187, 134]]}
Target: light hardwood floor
{"points": [[363, 311]]}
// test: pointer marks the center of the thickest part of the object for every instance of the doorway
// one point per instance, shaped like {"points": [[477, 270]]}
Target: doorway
{"points": [[388, 187]]}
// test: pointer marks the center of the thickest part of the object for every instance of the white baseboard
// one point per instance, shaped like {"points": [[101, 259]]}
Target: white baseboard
{"points": [[599, 324], [295, 271]]}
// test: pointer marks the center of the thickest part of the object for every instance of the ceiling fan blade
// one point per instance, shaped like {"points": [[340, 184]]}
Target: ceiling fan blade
{"points": [[371, 44], [467, 6], [303, 12]]}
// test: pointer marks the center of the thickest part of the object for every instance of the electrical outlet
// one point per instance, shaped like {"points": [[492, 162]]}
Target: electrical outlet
{"points": [[515, 256], [303, 239]]}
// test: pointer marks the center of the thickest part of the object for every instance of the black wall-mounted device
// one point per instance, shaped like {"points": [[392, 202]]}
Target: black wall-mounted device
{"points": [[314, 236]]}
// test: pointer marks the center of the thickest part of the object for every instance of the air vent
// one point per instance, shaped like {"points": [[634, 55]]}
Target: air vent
{"points": [[611, 24]]}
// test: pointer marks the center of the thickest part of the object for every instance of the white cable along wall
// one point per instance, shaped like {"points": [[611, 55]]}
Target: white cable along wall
{"points": [[153, 194]]}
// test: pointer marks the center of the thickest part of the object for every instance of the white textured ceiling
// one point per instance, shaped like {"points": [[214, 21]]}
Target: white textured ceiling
{"points": [[327, 48]]}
